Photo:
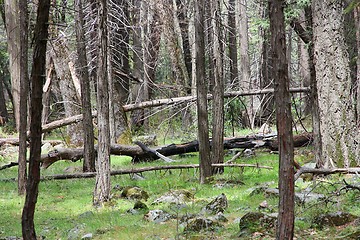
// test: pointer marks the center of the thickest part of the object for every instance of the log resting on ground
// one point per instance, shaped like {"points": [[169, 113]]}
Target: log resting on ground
{"points": [[140, 155]]}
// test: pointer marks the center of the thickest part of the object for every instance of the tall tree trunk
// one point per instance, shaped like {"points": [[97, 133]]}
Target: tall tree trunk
{"points": [[37, 79], [120, 69], [267, 101], [218, 93], [102, 185], [183, 19], [89, 151], [4, 115], [233, 56], [24, 89], [337, 115], [13, 44], [357, 24], [245, 82], [201, 86], [285, 223]]}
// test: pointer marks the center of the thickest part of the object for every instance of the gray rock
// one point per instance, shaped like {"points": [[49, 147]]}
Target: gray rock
{"points": [[175, 197], [87, 236], [334, 219], [198, 224], [220, 217], [301, 197], [219, 204], [75, 232], [256, 221], [157, 216]]}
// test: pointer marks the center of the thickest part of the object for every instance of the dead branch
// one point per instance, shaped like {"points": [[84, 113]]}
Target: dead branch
{"points": [[140, 170], [326, 171]]}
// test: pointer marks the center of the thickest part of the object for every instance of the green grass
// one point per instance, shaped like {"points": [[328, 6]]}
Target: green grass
{"points": [[65, 205]]}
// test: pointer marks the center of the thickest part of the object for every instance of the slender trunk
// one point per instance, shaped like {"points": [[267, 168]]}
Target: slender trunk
{"points": [[37, 79], [201, 86], [24, 81], [218, 101], [89, 151], [285, 223], [102, 185], [13, 44], [233, 56]]}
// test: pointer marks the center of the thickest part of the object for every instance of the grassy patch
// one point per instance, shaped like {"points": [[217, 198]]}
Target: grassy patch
{"points": [[64, 207]]}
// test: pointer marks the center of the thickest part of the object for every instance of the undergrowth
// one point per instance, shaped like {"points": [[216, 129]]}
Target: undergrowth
{"points": [[64, 209]]}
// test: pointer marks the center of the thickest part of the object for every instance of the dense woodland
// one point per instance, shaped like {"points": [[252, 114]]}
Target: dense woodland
{"points": [[104, 72]]}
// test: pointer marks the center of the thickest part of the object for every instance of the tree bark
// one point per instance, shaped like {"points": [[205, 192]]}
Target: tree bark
{"points": [[285, 223], [203, 122], [89, 152], [102, 185], [24, 89], [37, 79], [233, 56], [339, 136], [218, 95], [13, 44]]}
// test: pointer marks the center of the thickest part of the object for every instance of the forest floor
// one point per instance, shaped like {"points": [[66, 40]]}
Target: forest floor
{"points": [[64, 209]]}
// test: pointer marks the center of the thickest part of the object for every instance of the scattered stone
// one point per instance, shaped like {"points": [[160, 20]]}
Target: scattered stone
{"points": [[134, 193], [219, 204], [74, 233], [334, 219], [87, 236], [220, 217], [157, 216], [248, 153], [11, 238], [198, 224], [140, 205], [86, 214], [175, 197], [264, 204], [256, 221], [301, 197]]}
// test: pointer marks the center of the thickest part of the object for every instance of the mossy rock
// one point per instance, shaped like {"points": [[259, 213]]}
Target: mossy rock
{"points": [[134, 193], [256, 222], [202, 224]]}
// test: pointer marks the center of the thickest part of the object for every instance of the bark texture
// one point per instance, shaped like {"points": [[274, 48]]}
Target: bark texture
{"points": [[24, 89], [285, 223], [336, 111], [37, 80], [88, 128], [102, 185], [203, 123]]}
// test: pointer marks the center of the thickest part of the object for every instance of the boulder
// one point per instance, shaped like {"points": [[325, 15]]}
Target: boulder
{"points": [[334, 219], [219, 204], [134, 193], [256, 221], [175, 197], [158, 216], [201, 223]]}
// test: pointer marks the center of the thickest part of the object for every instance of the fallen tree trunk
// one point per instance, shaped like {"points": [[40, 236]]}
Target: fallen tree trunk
{"points": [[160, 102], [15, 141], [141, 170], [139, 155]]}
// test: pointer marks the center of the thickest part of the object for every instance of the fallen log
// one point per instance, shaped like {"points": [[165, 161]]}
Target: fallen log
{"points": [[15, 141], [160, 102], [140, 170], [139, 155], [326, 171]]}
